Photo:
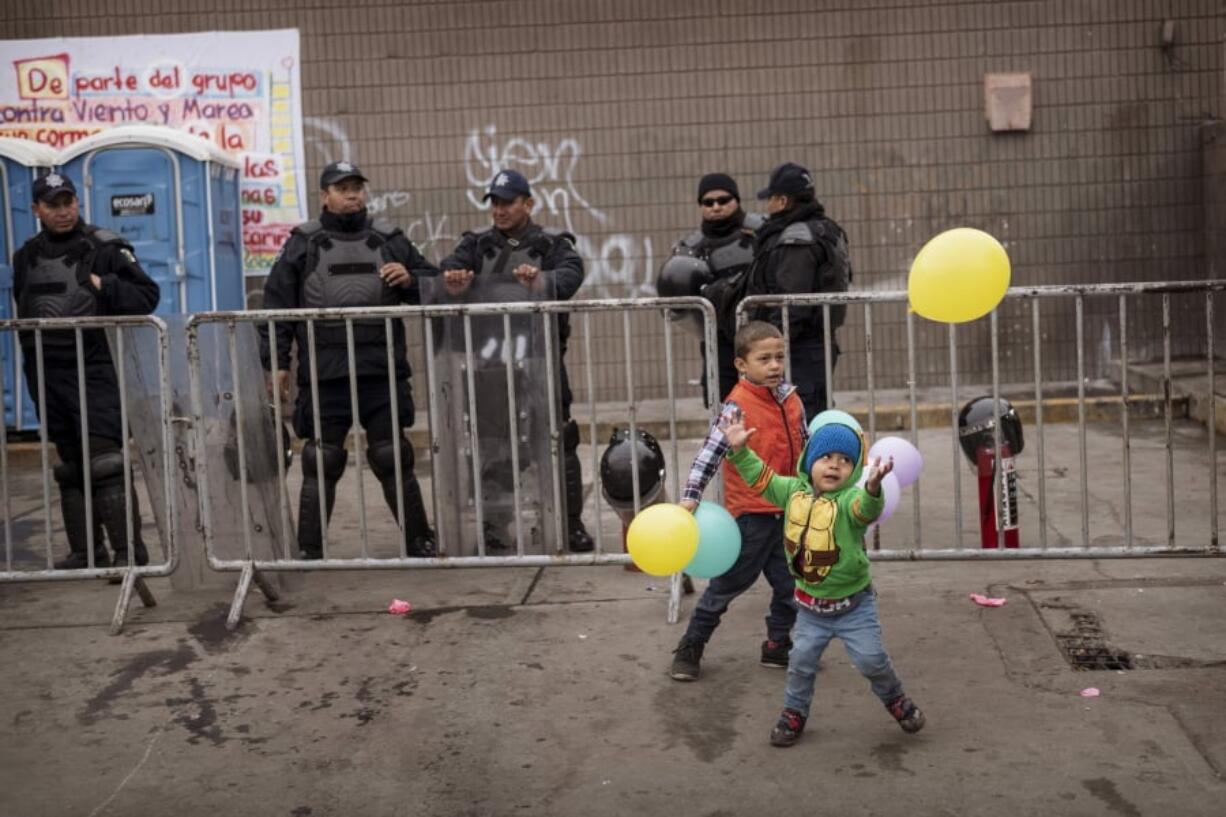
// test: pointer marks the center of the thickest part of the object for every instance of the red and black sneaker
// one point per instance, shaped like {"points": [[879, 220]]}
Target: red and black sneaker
{"points": [[908, 715], [775, 653], [788, 728]]}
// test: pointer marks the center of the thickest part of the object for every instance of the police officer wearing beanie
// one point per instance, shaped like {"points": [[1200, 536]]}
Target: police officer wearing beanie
{"points": [[724, 240], [73, 269], [542, 260], [346, 259], [799, 250]]}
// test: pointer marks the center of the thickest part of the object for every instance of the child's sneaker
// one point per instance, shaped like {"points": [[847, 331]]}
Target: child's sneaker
{"points": [[788, 728], [908, 715], [775, 653], [686, 660]]}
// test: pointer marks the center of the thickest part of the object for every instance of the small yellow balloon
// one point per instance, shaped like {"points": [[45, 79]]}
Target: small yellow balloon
{"points": [[958, 276], [662, 539]]}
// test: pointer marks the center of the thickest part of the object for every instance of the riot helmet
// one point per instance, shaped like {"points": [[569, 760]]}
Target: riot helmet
{"points": [[617, 474], [682, 276], [975, 425]]}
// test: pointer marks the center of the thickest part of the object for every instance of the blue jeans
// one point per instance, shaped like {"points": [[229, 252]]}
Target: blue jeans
{"points": [[860, 631], [761, 553]]}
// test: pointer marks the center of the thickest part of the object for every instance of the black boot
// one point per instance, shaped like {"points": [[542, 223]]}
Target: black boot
{"points": [[577, 539], [310, 527], [418, 535], [109, 507], [310, 531], [72, 507]]}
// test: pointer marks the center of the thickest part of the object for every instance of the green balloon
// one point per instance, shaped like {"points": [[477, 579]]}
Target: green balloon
{"points": [[719, 542], [832, 416]]}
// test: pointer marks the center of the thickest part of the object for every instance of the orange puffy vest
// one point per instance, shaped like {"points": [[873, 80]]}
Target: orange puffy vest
{"points": [[778, 441]]}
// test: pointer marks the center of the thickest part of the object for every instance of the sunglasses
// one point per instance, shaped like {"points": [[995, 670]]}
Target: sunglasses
{"points": [[716, 202]]}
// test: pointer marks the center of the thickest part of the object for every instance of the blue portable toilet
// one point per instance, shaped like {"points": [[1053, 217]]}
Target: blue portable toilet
{"points": [[175, 197], [21, 162]]}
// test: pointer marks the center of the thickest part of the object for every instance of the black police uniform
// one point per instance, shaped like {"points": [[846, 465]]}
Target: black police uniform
{"points": [[51, 279], [553, 252], [801, 251], [728, 248], [335, 262]]}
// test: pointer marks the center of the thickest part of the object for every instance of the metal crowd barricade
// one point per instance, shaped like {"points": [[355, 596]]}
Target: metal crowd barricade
{"points": [[258, 553], [1124, 295], [149, 387]]}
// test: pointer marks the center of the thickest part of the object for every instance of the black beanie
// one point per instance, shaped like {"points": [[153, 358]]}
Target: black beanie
{"points": [[717, 181]]}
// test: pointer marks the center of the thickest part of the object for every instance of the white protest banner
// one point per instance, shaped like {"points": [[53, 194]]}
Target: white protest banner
{"points": [[239, 89]]}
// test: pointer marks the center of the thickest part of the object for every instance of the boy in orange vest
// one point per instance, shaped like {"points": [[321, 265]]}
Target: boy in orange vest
{"points": [[762, 400]]}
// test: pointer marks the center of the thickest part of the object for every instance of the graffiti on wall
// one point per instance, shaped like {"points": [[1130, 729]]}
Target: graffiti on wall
{"points": [[619, 264], [329, 141]]}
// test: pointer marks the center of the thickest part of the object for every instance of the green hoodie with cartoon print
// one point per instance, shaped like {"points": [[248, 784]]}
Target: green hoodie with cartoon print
{"points": [[823, 535]]}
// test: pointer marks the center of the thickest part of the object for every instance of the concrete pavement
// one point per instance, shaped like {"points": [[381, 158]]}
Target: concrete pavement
{"points": [[544, 691], [517, 691]]}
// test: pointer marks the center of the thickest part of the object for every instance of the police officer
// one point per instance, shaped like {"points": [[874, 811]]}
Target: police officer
{"points": [[73, 269], [799, 250], [346, 259], [724, 241], [541, 260]]}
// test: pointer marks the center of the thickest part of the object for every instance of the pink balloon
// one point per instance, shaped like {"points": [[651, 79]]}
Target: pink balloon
{"points": [[892, 492], [907, 460], [891, 489]]}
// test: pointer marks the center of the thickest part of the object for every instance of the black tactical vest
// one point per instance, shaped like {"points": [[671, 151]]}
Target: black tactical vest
{"points": [[342, 270], [728, 255], [58, 287], [495, 281], [834, 275], [500, 255]]}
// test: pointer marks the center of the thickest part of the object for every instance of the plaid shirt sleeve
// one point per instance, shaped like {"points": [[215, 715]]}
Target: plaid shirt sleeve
{"points": [[714, 449]]}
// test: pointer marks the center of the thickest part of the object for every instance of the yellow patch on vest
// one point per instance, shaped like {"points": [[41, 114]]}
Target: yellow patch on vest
{"points": [[809, 536]]}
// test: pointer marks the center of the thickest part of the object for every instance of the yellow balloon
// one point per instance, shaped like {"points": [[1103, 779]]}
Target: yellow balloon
{"points": [[958, 276], [662, 539]]}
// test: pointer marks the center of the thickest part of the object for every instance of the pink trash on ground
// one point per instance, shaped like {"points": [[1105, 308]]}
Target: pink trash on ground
{"points": [[399, 607], [987, 601], [1090, 692]]}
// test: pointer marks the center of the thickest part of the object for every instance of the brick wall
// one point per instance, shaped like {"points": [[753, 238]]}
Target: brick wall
{"points": [[616, 107]]}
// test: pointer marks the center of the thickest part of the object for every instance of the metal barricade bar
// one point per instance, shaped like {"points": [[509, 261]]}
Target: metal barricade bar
{"points": [[1078, 294], [250, 565], [130, 575]]}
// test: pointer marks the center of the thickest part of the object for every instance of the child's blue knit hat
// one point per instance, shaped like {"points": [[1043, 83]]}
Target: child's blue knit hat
{"points": [[828, 438]]}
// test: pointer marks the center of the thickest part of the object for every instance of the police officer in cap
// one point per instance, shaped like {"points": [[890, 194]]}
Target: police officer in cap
{"points": [[724, 241], [347, 259], [553, 266], [800, 250], [73, 269]]}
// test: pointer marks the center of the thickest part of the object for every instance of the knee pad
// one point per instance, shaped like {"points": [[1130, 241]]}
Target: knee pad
{"points": [[106, 468], [334, 457], [570, 435], [382, 457], [68, 475]]}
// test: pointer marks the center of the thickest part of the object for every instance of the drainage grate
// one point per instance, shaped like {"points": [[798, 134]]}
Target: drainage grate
{"points": [[1086, 648]]}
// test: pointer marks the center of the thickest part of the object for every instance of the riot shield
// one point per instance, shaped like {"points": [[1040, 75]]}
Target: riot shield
{"points": [[497, 455], [136, 351], [247, 517]]}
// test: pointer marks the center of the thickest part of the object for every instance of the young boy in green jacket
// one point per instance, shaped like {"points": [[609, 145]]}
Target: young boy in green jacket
{"points": [[824, 522]]}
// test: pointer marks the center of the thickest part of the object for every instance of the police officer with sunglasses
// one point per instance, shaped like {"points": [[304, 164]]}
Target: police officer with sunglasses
{"points": [[707, 259]]}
